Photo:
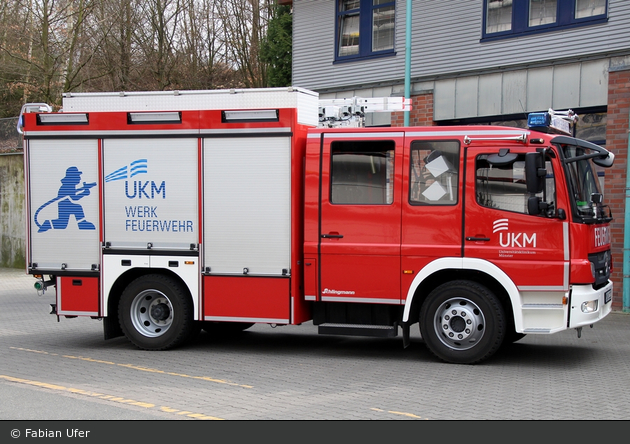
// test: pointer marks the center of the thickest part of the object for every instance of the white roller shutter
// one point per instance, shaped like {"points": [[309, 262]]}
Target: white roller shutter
{"points": [[151, 195], [247, 205], [64, 204]]}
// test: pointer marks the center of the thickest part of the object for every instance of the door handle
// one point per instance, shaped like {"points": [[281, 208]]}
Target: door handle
{"points": [[478, 239], [332, 236]]}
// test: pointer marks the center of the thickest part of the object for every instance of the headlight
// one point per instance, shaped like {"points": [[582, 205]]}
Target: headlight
{"points": [[589, 306]]}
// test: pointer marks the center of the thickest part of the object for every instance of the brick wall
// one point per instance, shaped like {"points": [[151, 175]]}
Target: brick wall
{"points": [[421, 112], [615, 178]]}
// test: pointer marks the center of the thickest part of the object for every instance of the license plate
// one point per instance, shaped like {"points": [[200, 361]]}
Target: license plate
{"points": [[607, 296]]}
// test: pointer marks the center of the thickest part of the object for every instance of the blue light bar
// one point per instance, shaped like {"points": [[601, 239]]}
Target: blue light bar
{"points": [[539, 120], [549, 123]]}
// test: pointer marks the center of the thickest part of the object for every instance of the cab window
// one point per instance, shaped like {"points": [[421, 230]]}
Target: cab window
{"points": [[362, 172], [434, 175], [505, 188]]}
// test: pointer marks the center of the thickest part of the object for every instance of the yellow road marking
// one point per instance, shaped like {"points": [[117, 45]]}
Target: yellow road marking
{"points": [[112, 398], [136, 367], [393, 412]]}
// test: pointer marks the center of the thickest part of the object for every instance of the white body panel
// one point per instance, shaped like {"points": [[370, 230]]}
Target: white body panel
{"points": [[247, 205], [150, 194], [585, 293], [305, 101], [64, 219], [535, 312], [186, 267]]}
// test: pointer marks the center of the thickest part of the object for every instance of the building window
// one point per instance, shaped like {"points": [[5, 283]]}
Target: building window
{"points": [[542, 12], [365, 28], [590, 8], [510, 18], [498, 16]]}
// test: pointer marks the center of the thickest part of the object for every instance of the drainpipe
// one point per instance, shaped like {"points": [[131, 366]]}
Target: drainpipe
{"points": [[626, 232], [407, 59]]}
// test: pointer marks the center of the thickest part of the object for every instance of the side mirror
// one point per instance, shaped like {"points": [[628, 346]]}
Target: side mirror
{"points": [[533, 205], [606, 161], [535, 173]]}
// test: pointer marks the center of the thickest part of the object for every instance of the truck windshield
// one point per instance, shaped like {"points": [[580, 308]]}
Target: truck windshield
{"points": [[585, 190]]}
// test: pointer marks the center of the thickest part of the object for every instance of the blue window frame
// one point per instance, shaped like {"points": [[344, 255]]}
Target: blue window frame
{"points": [[364, 29], [513, 18]]}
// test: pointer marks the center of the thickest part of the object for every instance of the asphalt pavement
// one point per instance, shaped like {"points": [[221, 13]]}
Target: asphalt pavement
{"points": [[65, 370]]}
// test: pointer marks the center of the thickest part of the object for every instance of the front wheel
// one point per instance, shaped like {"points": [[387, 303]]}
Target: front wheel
{"points": [[462, 322], [156, 313]]}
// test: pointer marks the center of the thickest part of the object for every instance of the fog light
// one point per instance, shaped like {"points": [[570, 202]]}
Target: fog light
{"points": [[589, 306]]}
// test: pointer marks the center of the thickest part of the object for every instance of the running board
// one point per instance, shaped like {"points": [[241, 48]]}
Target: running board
{"points": [[379, 331], [536, 330]]}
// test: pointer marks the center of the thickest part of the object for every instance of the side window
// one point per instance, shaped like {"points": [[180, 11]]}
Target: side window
{"points": [[362, 172], [505, 187], [434, 175]]}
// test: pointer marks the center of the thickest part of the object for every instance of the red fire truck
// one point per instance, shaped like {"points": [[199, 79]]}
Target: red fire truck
{"points": [[163, 213]]}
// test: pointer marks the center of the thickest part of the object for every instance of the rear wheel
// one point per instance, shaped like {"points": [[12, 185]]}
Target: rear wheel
{"points": [[156, 313], [462, 322]]}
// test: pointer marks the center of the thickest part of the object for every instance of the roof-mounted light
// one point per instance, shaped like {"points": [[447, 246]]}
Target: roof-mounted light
{"points": [[558, 122], [254, 115], [154, 117], [62, 119]]}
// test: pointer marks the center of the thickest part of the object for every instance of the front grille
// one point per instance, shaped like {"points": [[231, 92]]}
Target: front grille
{"points": [[602, 263]]}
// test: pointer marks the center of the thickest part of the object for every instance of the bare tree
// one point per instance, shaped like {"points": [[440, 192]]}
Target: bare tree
{"points": [[115, 23], [246, 22], [48, 47]]}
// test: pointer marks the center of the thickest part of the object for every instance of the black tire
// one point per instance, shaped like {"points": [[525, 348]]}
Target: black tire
{"points": [[156, 313], [462, 322], [225, 328]]}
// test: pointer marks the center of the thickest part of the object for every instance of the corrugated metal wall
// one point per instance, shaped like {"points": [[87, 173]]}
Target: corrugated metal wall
{"points": [[575, 85], [446, 44], [314, 50]]}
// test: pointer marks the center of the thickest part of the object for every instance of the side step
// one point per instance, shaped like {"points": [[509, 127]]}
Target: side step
{"points": [[379, 331]]}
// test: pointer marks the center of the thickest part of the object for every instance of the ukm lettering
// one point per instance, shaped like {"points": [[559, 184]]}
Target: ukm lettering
{"points": [[145, 190]]}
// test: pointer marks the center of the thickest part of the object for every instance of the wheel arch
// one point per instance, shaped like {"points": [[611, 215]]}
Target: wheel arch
{"points": [[111, 325], [481, 271]]}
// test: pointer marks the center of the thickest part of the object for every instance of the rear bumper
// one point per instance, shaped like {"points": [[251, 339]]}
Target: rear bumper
{"points": [[584, 295]]}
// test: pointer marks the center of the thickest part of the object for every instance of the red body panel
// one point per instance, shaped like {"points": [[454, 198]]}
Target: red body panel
{"points": [[262, 299], [78, 296]]}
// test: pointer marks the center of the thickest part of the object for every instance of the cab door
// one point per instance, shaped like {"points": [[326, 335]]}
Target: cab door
{"points": [[360, 214], [533, 250]]}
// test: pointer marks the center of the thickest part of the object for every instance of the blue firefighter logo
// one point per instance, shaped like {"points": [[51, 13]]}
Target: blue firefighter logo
{"points": [[68, 194]]}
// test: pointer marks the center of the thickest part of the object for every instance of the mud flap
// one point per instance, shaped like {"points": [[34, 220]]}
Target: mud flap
{"points": [[111, 327], [405, 329]]}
